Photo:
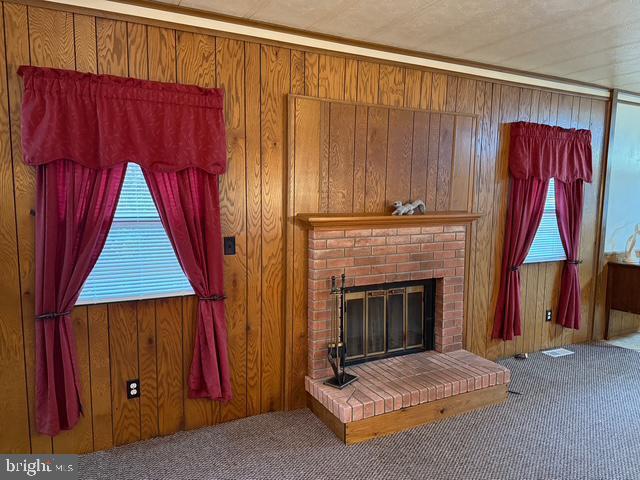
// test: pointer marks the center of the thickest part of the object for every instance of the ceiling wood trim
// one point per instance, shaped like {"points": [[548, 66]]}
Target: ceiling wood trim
{"points": [[198, 20]]}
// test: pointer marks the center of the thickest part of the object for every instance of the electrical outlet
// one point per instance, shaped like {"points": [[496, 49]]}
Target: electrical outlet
{"points": [[133, 388], [229, 245], [548, 316]]}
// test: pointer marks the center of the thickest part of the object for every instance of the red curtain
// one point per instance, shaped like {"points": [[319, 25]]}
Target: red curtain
{"points": [[538, 153], [569, 203], [74, 210], [526, 206], [80, 130], [188, 205]]}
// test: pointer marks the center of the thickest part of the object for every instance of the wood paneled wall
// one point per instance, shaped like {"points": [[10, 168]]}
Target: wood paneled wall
{"points": [[152, 339]]}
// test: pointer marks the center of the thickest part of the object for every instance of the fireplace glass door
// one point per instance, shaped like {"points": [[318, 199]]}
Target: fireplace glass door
{"points": [[382, 322]]}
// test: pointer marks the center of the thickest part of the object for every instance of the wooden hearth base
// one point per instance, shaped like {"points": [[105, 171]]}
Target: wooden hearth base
{"points": [[409, 417]]}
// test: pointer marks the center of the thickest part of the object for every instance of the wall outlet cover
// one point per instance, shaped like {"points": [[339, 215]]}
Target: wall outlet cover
{"points": [[133, 388]]}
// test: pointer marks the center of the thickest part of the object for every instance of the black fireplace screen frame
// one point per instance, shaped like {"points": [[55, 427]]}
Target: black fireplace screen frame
{"points": [[428, 328]]}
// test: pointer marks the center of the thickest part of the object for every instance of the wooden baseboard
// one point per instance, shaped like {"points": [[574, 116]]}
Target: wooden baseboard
{"points": [[398, 420]]}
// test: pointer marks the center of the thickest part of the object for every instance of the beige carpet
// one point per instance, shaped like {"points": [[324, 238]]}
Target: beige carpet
{"points": [[576, 417], [631, 341]]}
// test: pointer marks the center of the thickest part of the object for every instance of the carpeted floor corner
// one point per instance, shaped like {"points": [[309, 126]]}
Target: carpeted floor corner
{"points": [[577, 417]]}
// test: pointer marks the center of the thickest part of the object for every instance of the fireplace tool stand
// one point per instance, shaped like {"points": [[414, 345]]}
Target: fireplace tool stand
{"points": [[337, 349]]}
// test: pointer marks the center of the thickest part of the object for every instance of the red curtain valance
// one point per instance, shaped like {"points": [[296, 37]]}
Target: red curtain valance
{"points": [[545, 152], [101, 120]]}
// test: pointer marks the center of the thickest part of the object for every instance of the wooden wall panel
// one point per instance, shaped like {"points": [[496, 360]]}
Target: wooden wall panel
{"points": [[14, 419], [152, 339]]}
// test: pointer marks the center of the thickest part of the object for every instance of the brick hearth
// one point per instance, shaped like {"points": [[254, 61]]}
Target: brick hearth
{"points": [[381, 255]]}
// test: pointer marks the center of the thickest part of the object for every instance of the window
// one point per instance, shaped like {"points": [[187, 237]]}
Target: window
{"points": [[547, 246], [138, 260]]}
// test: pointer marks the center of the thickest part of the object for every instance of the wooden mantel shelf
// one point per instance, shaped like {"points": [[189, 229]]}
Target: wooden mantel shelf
{"points": [[328, 221]]}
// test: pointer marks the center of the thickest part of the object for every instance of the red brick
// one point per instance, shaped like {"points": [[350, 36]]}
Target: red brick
{"points": [[421, 274], [357, 252], [383, 269], [398, 258], [339, 262], [430, 247], [385, 250], [325, 274], [459, 270], [460, 253], [431, 264], [324, 234], [460, 236], [422, 238], [362, 232], [409, 231], [322, 254], [443, 254], [398, 277], [408, 248], [454, 281], [379, 260], [444, 237], [380, 232], [421, 257], [317, 264], [369, 280], [454, 228], [340, 242], [357, 271], [454, 262], [408, 267], [319, 284], [398, 239], [453, 245], [321, 315], [444, 272], [370, 241], [317, 244]]}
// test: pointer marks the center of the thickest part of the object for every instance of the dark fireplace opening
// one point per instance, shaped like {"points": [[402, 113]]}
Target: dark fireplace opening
{"points": [[389, 319]]}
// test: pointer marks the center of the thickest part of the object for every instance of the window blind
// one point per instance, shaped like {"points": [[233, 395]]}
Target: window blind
{"points": [[138, 260], [547, 246]]}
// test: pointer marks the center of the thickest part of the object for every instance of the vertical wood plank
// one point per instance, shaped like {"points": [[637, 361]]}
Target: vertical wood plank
{"points": [[14, 418], [341, 157], [230, 77], [112, 47], [391, 85], [360, 159], [368, 79], [169, 363], [412, 88], [377, 136], [100, 361], [84, 31], [297, 72], [420, 156], [399, 151], [445, 160], [254, 224], [137, 51], [148, 368], [123, 347], [331, 77], [275, 77], [351, 80], [438, 92], [311, 80], [325, 129]]}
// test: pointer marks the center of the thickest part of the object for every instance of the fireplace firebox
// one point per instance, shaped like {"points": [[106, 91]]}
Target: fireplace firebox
{"points": [[389, 319]]}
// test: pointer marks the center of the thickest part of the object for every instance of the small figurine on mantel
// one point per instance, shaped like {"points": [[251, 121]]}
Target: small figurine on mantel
{"points": [[410, 208]]}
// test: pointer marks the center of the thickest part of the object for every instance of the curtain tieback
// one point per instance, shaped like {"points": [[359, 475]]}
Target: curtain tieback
{"points": [[46, 316], [514, 268], [213, 298], [574, 262]]}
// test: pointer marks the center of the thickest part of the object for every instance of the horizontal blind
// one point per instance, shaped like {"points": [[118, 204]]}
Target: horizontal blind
{"points": [[138, 260], [547, 245]]}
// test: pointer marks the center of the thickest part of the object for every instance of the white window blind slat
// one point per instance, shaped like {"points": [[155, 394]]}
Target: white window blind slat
{"points": [[547, 245], [137, 261]]}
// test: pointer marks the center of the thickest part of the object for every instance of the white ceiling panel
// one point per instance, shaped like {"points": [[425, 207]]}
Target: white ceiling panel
{"points": [[596, 41]]}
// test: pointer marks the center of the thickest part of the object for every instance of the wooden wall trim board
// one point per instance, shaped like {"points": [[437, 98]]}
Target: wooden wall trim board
{"points": [[289, 37], [152, 339]]}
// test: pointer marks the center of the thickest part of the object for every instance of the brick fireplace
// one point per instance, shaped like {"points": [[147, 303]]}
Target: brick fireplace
{"points": [[371, 256], [395, 256]]}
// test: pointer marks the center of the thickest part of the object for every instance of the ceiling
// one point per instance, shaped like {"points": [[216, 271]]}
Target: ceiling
{"points": [[595, 41]]}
